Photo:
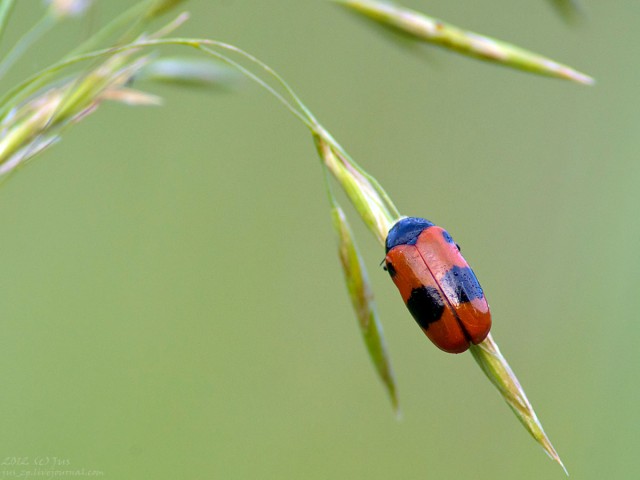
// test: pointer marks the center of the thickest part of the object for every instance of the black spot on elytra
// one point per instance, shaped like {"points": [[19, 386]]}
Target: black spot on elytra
{"points": [[389, 268], [447, 237], [461, 285], [406, 232], [426, 305]]}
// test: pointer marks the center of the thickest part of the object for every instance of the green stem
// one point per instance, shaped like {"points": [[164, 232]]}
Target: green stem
{"points": [[41, 27]]}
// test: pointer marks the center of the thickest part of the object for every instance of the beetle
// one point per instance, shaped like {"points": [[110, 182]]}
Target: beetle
{"points": [[437, 285]]}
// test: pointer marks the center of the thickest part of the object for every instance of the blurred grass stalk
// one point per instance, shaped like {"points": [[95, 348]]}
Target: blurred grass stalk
{"points": [[423, 28], [36, 111]]}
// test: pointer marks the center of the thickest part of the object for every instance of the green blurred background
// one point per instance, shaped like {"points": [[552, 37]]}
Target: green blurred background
{"points": [[172, 302]]}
